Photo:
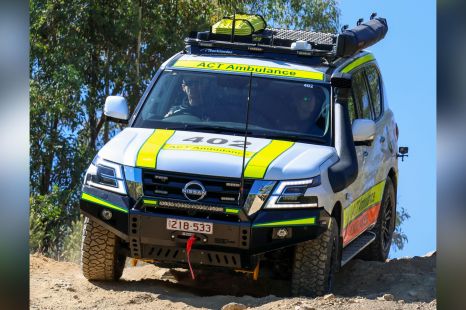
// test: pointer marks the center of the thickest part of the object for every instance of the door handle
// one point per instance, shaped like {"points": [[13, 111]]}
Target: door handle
{"points": [[365, 153]]}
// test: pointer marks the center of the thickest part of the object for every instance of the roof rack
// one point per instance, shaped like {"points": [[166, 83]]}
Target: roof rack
{"points": [[291, 42]]}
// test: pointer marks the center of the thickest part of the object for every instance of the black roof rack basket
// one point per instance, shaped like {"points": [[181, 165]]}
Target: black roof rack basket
{"points": [[345, 44]]}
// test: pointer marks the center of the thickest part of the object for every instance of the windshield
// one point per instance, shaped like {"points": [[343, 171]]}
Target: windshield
{"points": [[218, 102]]}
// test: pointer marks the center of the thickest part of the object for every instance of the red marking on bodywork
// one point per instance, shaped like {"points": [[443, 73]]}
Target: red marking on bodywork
{"points": [[359, 225]]}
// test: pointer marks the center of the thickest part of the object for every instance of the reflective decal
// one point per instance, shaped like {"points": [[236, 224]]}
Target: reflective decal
{"points": [[233, 211], [206, 148], [297, 222], [147, 155], [99, 201], [356, 63], [257, 166], [258, 160], [359, 225], [263, 70], [362, 213], [150, 202], [370, 198]]}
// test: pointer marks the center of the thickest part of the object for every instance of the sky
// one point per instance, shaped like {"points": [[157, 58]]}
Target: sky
{"points": [[407, 60]]}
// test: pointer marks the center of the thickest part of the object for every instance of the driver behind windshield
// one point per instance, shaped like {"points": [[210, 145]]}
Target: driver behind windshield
{"points": [[308, 105], [193, 103]]}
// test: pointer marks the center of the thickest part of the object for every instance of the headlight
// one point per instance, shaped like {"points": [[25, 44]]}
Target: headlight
{"points": [[292, 194], [105, 175]]}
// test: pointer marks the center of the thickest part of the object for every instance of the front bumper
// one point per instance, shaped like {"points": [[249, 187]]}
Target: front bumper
{"points": [[235, 242]]}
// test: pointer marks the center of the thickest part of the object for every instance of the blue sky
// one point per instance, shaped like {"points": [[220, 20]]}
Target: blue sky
{"points": [[407, 61]]}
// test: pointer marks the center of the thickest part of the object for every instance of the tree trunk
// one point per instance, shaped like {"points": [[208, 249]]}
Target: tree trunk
{"points": [[138, 58], [49, 156]]}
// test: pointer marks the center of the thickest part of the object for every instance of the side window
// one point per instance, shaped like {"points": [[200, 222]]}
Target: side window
{"points": [[361, 95], [352, 109], [373, 79]]}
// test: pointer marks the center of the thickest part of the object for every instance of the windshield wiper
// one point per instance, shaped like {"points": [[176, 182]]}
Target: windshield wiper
{"points": [[216, 129], [298, 138]]}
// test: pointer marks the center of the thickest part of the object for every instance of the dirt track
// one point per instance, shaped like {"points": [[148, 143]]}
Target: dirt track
{"points": [[360, 285]]}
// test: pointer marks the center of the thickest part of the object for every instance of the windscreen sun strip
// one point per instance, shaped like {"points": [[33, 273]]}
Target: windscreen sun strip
{"points": [[245, 68]]}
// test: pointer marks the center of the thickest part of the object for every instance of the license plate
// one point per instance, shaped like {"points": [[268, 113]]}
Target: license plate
{"points": [[191, 226]]}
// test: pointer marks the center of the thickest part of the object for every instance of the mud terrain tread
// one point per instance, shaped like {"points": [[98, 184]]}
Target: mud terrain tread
{"points": [[98, 253], [312, 263]]}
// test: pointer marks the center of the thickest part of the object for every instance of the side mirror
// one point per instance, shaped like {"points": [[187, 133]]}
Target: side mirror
{"points": [[116, 107], [363, 130]]}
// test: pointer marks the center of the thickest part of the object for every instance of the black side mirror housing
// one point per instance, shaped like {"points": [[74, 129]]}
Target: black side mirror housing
{"points": [[341, 80]]}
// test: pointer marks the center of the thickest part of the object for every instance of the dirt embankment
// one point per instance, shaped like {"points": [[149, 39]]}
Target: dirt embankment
{"points": [[397, 284]]}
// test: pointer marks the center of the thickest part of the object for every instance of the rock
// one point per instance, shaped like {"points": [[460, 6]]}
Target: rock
{"points": [[234, 306], [430, 254], [388, 297], [401, 301], [329, 297], [304, 307]]}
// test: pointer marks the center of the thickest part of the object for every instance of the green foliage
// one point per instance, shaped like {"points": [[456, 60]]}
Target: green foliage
{"points": [[314, 15], [399, 237], [72, 241], [47, 222]]}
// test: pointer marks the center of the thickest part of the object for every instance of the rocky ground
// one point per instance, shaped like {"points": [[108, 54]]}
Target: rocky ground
{"points": [[407, 283]]}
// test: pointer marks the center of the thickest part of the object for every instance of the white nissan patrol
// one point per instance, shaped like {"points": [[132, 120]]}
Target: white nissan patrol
{"points": [[269, 147]]}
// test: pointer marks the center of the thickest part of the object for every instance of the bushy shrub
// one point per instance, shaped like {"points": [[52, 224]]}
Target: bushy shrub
{"points": [[51, 224], [72, 241], [399, 237]]}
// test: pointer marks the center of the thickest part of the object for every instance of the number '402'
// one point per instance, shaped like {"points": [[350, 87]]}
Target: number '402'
{"points": [[218, 141]]}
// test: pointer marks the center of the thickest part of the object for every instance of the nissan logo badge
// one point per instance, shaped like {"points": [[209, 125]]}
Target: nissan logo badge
{"points": [[194, 191]]}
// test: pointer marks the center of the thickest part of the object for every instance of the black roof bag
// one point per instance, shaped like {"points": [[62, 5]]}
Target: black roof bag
{"points": [[366, 34]]}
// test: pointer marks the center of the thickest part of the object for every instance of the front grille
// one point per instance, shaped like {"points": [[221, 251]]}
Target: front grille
{"points": [[220, 191]]}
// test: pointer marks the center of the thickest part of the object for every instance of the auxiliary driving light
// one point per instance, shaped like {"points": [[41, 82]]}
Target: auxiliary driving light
{"points": [[282, 233], [106, 214]]}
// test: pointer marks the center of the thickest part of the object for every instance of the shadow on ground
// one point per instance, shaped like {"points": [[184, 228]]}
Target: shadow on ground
{"points": [[406, 279]]}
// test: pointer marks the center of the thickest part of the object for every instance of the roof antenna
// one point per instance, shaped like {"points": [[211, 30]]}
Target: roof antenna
{"points": [[343, 29], [233, 28], [359, 22], [241, 189], [373, 15]]}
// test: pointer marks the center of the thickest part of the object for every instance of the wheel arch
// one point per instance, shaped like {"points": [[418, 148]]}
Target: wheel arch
{"points": [[337, 214], [394, 178]]}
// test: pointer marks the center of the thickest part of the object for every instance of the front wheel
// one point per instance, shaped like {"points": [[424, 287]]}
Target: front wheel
{"points": [[315, 263], [100, 259]]}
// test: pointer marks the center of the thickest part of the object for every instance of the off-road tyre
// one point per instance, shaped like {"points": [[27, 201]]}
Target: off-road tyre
{"points": [[378, 250], [315, 263], [100, 259]]}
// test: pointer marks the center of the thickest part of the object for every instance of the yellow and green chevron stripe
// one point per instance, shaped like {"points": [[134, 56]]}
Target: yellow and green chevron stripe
{"points": [[102, 202], [260, 162], [147, 155], [255, 168], [295, 222]]}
